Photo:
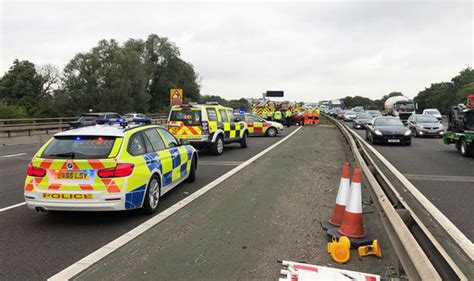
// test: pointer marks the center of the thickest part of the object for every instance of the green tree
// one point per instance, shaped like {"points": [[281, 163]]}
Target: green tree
{"points": [[444, 95], [166, 71], [23, 86], [134, 77], [108, 78]]}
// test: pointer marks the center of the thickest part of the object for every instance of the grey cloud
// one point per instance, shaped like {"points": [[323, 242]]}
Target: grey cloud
{"points": [[312, 51]]}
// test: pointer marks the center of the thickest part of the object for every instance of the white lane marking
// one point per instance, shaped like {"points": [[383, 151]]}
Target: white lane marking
{"points": [[439, 178], [106, 250], [12, 206], [219, 163], [13, 155]]}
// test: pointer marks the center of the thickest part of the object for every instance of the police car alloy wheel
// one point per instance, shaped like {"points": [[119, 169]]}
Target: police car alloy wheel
{"points": [[152, 199], [220, 145], [217, 147], [271, 132]]}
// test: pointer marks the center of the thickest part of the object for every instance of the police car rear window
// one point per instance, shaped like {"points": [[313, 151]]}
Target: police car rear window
{"points": [[187, 116], [79, 147]]}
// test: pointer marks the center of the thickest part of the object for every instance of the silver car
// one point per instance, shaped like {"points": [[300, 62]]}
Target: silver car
{"points": [[422, 125]]}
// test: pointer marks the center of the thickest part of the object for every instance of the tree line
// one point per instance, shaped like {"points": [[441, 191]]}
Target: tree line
{"points": [[441, 95], [131, 77], [136, 77]]}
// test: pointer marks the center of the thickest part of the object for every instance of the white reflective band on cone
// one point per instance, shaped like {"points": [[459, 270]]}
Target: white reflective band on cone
{"points": [[343, 193], [354, 204]]}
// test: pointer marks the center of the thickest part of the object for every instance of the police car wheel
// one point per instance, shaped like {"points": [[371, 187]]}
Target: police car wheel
{"points": [[243, 141], [217, 147], [271, 132], [192, 172], [152, 196]]}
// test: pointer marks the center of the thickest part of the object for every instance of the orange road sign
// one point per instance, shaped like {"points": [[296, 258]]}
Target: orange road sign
{"points": [[176, 96]]}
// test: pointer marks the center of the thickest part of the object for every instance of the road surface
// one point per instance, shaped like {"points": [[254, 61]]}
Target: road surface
{"points": [[35, 246]]}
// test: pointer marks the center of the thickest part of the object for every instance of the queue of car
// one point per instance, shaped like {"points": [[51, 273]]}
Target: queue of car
{"points": [[387, 129], [107, 162]]}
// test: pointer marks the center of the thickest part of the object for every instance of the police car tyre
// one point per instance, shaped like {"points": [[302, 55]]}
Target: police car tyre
{"points": [[192, 172], [152, 196], [271, 132], [243, 141], [217, 147]]}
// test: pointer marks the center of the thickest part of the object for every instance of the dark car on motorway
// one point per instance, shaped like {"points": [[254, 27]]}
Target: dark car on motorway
{"points": [[374, 113], [361, 120], [422, 125], [88, 119], [387, 130]]}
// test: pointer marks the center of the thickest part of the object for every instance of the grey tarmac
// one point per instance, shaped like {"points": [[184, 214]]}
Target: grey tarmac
{"points": [[268, 211]]}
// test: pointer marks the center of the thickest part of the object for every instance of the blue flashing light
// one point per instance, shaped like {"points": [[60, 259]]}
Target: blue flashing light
{"points": [[242, 112], [78, 138]]}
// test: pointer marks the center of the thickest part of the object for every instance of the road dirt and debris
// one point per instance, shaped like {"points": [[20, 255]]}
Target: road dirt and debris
{"points": [[269, 211]]}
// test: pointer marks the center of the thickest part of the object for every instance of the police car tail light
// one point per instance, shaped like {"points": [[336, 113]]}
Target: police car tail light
{"points": [[35, 171], [121, 170]]}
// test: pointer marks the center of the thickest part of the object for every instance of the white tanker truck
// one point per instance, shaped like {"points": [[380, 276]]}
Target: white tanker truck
{"points": [[400, 106]]}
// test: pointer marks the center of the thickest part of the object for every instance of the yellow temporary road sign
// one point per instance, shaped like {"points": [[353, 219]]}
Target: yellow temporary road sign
{"points": [[176, 96]]}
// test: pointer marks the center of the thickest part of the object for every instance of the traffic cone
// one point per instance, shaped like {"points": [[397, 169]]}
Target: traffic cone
{"points": [[352, 225], [341, 199]]}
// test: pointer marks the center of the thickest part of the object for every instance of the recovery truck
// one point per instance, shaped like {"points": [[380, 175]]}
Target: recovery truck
{"points": [[461, 127]]}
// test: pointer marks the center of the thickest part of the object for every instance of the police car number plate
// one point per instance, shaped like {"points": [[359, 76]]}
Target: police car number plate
{"points": [[393, 140], [72, 175]]}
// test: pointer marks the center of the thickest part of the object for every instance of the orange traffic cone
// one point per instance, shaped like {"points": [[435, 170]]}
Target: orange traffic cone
{"points": [[352, 225], [342, 196]]}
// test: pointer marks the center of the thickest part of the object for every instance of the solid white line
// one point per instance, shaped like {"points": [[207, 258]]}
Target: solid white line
{"points": [[13, 155], [439, 178], [101, 253], [12, 206]]}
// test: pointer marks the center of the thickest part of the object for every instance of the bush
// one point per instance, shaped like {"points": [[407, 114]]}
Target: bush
{"points": [[12, 112]]}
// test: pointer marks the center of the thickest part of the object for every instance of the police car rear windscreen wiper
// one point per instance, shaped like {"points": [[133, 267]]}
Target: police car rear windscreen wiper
{"points": [[67, 154]]}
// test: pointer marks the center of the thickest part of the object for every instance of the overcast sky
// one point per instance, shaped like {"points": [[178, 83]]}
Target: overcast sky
{"points": [[311, 50]]}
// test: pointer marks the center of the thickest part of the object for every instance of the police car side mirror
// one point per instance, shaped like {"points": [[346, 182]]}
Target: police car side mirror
{"points": [[237, 119]]}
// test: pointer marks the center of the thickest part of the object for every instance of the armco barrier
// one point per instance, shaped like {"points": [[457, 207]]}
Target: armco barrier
{"points": [[10, 128]]}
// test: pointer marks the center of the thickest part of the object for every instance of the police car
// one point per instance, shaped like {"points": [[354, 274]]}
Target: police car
{"points": [[108, 167], [260, 127], [207, 125]]}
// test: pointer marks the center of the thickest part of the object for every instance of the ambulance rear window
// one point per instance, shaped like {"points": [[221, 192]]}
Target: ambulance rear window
{"points": [[188, 116], [79, 147]]}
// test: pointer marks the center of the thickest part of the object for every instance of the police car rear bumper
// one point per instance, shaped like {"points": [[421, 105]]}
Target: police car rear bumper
{"points": [[114, 202]]}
